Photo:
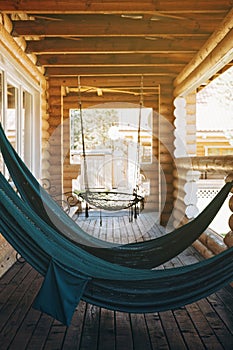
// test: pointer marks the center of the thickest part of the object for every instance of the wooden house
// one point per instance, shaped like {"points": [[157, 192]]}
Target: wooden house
{"points": [[56, 54], [214, 117]]}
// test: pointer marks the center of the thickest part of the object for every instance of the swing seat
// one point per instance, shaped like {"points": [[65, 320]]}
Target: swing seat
{"points": [[112, 201]]}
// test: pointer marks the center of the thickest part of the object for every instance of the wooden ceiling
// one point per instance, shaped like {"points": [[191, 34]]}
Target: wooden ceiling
{"points": [[109, 39]]}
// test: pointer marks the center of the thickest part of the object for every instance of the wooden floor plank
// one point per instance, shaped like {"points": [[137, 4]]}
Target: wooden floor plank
{"points": [[141, 337], [12, 284], [55, 337], [10, 274], [206, 333], [172, 332], [218, 326], [25, 331], [223, 312], [157, 336], [16, 308], [74, 331], [188, 331], [107, 330], [18, 292], [226, 297], [90, 331], [40, 335], [124, 338]]}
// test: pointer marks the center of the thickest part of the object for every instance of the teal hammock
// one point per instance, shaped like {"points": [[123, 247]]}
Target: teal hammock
{"points": [[144, 255], [72, 274]]}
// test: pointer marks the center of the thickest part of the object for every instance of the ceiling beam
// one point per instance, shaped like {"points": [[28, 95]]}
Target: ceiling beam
{"points": [[160, 59], [110, 26], [218, 35], [111, 81], [111, 45], [100, 6], [220, 56], [110, 97], [171, 70]]}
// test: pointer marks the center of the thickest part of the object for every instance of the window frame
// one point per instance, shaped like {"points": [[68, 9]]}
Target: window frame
{"points": [[12, 73]]}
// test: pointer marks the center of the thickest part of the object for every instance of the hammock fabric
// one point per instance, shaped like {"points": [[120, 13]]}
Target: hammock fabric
{"points": [[147, 254], [72, 274]]}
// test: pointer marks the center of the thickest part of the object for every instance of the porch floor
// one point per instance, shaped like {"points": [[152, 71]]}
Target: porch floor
{"points": [[206, 324]]}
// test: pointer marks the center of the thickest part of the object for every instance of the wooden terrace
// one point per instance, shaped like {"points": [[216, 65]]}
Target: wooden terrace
{"points": [[206, 324]]}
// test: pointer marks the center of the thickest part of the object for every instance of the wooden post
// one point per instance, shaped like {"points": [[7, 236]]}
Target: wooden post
{"points": [[209, 46], [219, 57], [180, 130], [228, 239]]}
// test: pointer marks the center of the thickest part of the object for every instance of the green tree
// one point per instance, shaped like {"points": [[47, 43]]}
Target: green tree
{"points": [[96, 123]]}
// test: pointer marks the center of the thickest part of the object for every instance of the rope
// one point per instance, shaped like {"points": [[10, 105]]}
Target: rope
{"points": [[83, 140], [137, 168]]}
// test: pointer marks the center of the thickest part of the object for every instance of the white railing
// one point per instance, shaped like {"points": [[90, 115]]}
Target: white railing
{"points": [[190, 190]]}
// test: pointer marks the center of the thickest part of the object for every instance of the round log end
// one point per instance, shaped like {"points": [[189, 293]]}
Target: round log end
{"points": [[228, 239]]}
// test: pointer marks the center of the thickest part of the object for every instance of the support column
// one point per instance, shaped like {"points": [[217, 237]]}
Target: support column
{"points": [[228, 239], [185, 145]]}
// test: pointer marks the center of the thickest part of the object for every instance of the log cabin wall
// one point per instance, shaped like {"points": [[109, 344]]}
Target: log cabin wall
{"points": [[166, 150], [191, 136], [55, 135], [212, 141], [25, 64]]}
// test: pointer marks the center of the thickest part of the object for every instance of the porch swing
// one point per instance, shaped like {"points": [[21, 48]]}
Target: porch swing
{"points": [[111, 200]]}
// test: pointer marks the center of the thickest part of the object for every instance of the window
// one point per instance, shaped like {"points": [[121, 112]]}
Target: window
{"points": [[111, 129], [26, 127], [218, 150], [18, 121], [12, 115], [114, 145], [20, 112]]}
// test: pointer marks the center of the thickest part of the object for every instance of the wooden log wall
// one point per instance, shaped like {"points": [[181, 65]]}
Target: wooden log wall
{"points": [[211, 141], [55, 133], [188, 137], [166, 150], [191, 123], [16, 48], [178, 216]]}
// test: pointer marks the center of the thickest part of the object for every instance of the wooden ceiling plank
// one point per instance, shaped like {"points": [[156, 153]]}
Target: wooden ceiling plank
{"points": [[75, 71], [73, 6], [110, 81], [109, 98], [110, 45], [111, 59], [110, 25]]}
